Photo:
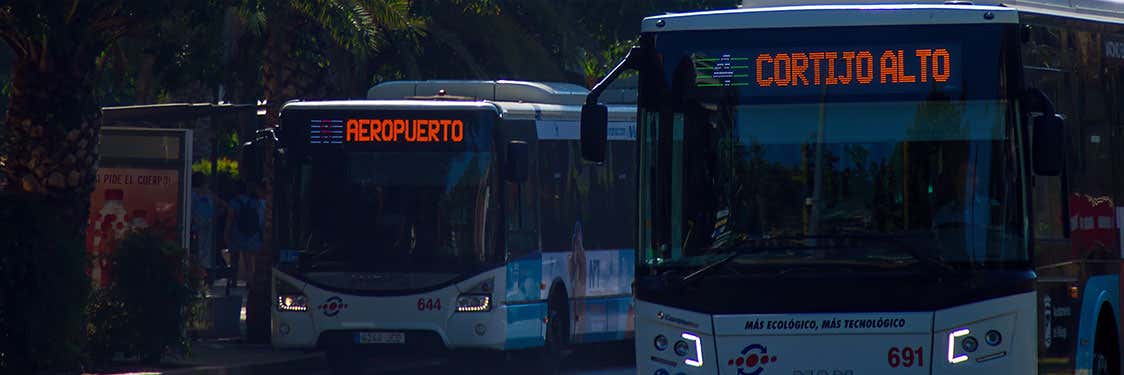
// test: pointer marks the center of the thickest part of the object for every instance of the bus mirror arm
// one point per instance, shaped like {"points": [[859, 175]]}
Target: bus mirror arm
{"points": [[1047, 135], [253, 151], [628, 62], [595, 116]]}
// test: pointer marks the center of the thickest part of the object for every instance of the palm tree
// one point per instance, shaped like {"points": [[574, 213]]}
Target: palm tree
{"points": [[49, 146], [49, 156], [295, 64]]}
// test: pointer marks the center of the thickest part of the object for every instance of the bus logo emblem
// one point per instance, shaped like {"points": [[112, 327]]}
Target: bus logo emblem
{"points": [[752, 360], [332, 306]]}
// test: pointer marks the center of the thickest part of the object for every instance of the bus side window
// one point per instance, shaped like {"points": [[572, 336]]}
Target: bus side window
{"points": [[1047, 66], [521, 208]]}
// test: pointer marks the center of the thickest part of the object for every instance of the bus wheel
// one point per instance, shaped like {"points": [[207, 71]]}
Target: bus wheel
{"points": [[1100, 364], [1105, 353], [557, 331]]}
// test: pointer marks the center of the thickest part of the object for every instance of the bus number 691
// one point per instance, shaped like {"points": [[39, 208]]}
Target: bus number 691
{"points": [[905, 357]]}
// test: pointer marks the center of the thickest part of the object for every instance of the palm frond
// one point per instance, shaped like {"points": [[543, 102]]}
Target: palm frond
{"points": [[16, 40], [359, 25]]}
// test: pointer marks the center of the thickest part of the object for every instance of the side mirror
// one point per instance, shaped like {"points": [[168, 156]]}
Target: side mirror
{"points": [[1048, 145], [595, 131], [518, 161]]}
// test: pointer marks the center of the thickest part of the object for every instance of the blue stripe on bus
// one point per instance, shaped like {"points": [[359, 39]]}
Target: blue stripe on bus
{"points": [[525, 325], [1098, 290], [523, 277], [607, 319]]}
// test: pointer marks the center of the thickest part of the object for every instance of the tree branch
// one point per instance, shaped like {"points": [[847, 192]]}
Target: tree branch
{"points": [[15, 39], [18, 46], [110, 23]]}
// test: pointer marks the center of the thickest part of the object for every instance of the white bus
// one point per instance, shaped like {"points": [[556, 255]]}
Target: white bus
{"points": [[451, 215], [847, 187]]}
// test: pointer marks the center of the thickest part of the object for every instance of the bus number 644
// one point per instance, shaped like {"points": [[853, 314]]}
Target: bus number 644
{"points": [[905, 357], [429, 304]]}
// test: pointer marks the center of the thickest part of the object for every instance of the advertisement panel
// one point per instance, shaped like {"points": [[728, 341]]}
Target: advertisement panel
{"points": [[126, 200], [141, 184]]}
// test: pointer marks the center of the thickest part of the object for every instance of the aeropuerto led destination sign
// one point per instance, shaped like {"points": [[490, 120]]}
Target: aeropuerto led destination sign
{"points": [[389, 130], [404, 130], [850, 70]]}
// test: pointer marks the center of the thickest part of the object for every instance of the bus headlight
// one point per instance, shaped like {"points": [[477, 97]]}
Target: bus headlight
{"points": [[993, 338], [970, 344], [963, 344], [292, 302], [697, 361], [289, 297], [681, 348], [660, 343], [474, 303]]}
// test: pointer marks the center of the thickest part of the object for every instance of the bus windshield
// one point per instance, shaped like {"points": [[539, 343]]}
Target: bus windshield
{"points": [[807, 135], [412, 209]]}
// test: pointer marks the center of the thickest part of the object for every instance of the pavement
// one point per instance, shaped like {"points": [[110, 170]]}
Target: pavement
{"points": [[211, 353], [236, 358], [233, 357], [223, 351], [226, 357]]}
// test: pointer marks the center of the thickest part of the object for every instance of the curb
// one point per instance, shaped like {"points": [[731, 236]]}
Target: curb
{"points": [[300, 364]]}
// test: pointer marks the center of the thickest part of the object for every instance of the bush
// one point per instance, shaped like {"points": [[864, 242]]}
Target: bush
{"points": [[145, 309], [43, 287]]}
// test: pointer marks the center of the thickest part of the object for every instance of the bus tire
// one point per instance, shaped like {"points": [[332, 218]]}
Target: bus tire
{"points": [[1106, 348], [557, 338]]}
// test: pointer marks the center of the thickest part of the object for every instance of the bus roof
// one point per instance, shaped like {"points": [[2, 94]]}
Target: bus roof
{"points": [[388, 104], [830, 15], [499, 91], [507, 110], [1111, 11]]}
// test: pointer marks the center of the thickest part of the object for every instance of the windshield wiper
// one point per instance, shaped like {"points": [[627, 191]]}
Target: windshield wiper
{"points": [[747, 247], [897, 240], [741, 248]]}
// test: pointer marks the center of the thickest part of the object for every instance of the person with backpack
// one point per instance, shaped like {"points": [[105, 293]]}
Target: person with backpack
{"points": [[205, 208], [245, 226]]}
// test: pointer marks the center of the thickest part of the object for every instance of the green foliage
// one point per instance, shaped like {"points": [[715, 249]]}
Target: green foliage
{"points": [[226, 167], [572, 41], [597, 65], [145, 309], [170, 58], [357, 26], [43, 287]]}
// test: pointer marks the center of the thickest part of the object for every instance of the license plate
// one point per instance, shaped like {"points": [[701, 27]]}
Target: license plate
{"points": [[380, 338]]}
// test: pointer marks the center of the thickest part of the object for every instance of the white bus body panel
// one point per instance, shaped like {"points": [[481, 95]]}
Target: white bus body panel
{"points": [[846, 343], [390, 313]]}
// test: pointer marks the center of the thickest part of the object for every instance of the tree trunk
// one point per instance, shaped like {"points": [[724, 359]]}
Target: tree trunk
{"points": [[50, 147], [290, 70]]}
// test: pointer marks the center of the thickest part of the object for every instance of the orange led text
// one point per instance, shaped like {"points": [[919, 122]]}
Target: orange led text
{"points": [[852, 67], [402, 130]]}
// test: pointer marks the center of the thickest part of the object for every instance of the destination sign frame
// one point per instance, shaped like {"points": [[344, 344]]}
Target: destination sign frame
{"points": [[979, 58], [389, 130], [846, 70]]}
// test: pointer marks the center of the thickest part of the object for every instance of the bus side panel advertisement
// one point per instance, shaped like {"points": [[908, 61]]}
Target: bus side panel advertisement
{"points": [[126, 200], [601, 307], [523, 277]]}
